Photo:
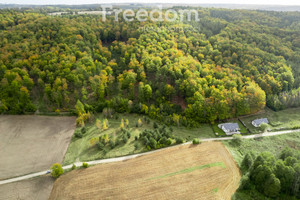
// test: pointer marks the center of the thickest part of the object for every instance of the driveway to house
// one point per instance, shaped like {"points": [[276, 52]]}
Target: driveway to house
{"points": [[123, 158]]}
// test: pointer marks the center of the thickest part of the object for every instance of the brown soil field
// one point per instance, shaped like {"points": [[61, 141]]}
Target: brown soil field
{"points": [[35, 189], [32, 143], [167, 174]]}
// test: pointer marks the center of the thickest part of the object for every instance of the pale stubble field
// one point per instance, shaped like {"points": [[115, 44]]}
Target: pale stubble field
{"points": [[205, 171], [32, 143]]}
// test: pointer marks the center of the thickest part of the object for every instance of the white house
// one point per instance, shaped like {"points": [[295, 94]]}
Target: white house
{"points": [[230, 128], [258, 122]]}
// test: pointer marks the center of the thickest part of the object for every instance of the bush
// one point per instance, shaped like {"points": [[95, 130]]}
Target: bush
{"points": [[100, 106], [117, 142], [157, 138], [57, 170], [73, 167], [125, 139], [85, 165], [152, 143], [196, 141], [30, 107], [136, 146], [247, 161], [169, 141], [155, 125], [57, 111], [163, 140], [136, 137], [78, 134], [145, 140], [104, 125], [100, 145], [83, 130], [296, 127], [112, 144], [285, 153], [245, 183], [179, 141], [263, 127]]}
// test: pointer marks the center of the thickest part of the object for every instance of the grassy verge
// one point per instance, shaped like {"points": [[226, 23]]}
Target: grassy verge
{"points": [[81, 149], [273, 144], [285, 119], [204, 131]]}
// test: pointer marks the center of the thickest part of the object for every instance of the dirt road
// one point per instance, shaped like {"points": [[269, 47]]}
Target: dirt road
{"points": [[123, 158]]}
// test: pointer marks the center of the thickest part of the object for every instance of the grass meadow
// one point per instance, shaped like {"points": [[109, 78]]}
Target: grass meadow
{"points": [[81, 149]]}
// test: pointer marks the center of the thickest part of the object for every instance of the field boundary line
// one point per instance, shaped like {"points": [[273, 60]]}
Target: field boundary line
{"points": [[124, 158]]}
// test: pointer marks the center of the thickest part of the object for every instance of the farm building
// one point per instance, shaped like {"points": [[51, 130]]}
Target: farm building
{"points": [[258, 122], [230, 128]]}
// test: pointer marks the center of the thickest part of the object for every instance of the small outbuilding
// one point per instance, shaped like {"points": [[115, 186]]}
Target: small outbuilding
{"points": [[258, 122], [230, 128]]}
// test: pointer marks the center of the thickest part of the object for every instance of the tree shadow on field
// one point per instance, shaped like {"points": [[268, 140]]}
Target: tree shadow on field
{"points": [[194, 145]]}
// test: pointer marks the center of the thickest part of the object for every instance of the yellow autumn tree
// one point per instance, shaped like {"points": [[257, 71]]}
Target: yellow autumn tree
{"points": [[98, 124], [140, 123], [176, 119], [106, 121], [122, 124], [106, 138], [94, 141], [104, 127]]}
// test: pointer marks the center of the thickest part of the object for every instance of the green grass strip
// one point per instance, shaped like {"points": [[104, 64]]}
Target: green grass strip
{"points": [[215, 190], [188, 170]]}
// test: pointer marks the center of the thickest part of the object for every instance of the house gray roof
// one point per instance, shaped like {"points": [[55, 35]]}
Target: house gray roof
{"points": [[260, 121], [230, 126]]}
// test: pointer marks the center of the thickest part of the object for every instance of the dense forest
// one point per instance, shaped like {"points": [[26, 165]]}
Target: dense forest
{"points": [[275, 177], [226, 65]]}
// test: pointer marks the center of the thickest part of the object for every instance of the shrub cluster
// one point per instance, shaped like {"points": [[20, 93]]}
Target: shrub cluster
{"points": [[274, 177], [85, 165], [79, 133], [111, 142], [56, 170], [196, 141], [157, 138]]}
